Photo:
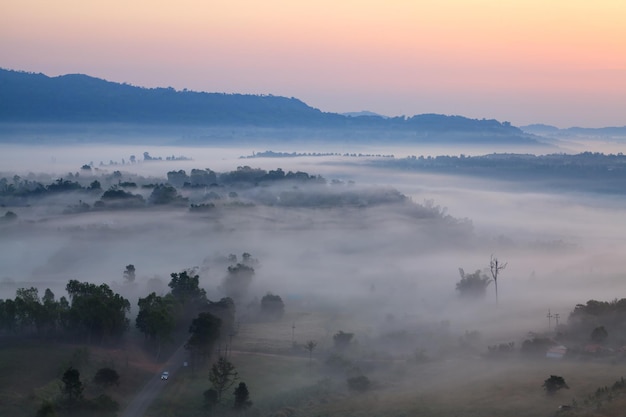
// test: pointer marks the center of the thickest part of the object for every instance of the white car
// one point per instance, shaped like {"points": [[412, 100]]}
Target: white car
{"points": [[165, 375]]}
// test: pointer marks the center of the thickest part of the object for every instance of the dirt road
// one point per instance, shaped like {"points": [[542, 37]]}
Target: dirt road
{"points": [[142, 401]]}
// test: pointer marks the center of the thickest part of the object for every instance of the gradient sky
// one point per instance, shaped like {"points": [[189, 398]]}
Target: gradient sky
{"points": [[560, 62]]}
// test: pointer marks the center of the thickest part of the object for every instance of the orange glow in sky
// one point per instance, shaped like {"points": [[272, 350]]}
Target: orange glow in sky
{"points": [[557, 62]]}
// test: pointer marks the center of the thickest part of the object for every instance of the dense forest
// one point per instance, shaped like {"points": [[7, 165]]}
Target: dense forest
{"points": [[199, 190]]}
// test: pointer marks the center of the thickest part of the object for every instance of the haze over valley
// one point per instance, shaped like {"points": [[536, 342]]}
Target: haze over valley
{"points": [[312, 209], [363, 242]]}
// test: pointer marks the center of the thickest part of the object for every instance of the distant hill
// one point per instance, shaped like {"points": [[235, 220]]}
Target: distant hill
{"points": [[603, 132], [76, 98], [363, 113]]}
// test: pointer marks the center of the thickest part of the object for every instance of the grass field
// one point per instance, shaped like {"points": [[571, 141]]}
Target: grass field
{"points": [[284, 382], [31, 371]]}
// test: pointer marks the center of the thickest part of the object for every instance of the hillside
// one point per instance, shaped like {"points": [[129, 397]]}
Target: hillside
{"points": [[599, 132], [38, 98]]}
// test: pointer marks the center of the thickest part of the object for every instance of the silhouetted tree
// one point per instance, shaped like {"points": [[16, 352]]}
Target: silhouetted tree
{"points": [[222, 376], [156, 318], [72, 388], [225, 310], [553, 384], [536, 346], [117, 198], [272, 306], [242, 397], [237, 281], [310, 346], [177, 178], [97, 310], [8, 315], [129, 273], [185, 288], [95, 185], [29, 309], [599, 334], [472, 285], [495, 266], [342, 339], [165, 194], [205, 331]]}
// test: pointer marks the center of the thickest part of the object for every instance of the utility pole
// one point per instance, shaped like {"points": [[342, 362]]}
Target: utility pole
{"points": [[556, 317], [293, 333]]}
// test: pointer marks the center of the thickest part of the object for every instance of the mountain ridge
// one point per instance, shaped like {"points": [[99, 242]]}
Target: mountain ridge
{"points": [[78, 98]]}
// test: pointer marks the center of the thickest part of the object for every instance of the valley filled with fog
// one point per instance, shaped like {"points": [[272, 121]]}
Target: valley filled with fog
{"points": [[372, 241], [561, 249]]}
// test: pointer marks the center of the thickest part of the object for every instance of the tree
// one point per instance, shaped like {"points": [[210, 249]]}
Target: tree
{"points": [[242, 397], [272, 306], [129, 273], [237, 281], [156, 318], [116, 198], [553, 384], [8, 315], [342, 339], [472, 285], [205, 331], [51, 310], [29, 308], [495, 266], [310, 346], [222, 376], [599, 334], [97, 310], [224, 309], [72, 388], [106, 377], [95, 185], [165, 194], [185, 288]]}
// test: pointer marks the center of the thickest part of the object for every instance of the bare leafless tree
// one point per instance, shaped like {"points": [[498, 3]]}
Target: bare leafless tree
{"points": [[495, 266], [310, 345]]}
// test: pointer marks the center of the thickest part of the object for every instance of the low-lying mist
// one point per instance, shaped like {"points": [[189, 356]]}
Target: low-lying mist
{"points": [[370, 262]]}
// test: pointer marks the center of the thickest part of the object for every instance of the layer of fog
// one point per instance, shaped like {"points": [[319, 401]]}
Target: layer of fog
{"points": [[370, 263]]}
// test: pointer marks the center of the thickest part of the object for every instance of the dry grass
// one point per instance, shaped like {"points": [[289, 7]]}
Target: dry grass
{"points": [[279, 377], [31, 371]]}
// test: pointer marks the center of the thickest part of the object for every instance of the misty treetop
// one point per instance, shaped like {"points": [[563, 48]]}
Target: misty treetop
{"points": [[96, 310], [586, 171], [94, 313], [474, 284], [97, 190]]}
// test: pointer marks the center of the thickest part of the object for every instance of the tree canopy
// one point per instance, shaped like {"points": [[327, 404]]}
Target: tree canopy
{"points": [[205, 331], [473, 285], [96, 310]]}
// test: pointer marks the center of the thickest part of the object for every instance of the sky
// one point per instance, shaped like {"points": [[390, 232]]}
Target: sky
{"points": [[559, 62]]}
